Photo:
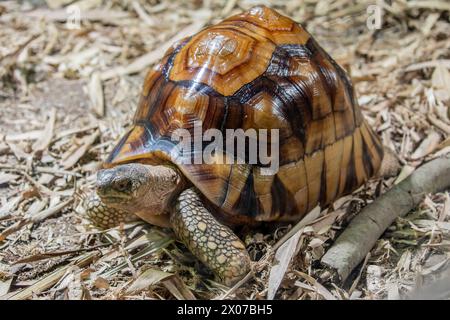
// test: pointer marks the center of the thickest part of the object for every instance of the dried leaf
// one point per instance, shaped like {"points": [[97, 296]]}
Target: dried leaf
{"points": [[446, 209], [152, 247], [316, 242], [96, 94], [439, 123], [4, 286], [441, 82], [36, 207], [50, 211], [34, 218], [46, 135], [429, 225], [146, 279], [404, 173], [49, 280], [178, 289], [79, 152], [427, 146], [18, 152], [282, 259], [101, 283], [320, 289], [48, 255]]}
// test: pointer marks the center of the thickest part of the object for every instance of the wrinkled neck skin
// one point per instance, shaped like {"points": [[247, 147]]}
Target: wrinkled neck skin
{"points": [[150, 192], [153, 204]]}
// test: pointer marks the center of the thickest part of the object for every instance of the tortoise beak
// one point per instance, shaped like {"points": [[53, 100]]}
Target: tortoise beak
{"points": [[112, 188]]}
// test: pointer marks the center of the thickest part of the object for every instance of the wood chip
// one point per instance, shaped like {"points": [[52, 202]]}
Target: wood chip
{"points": [[428, 64], [439, 123], [441, 82], [43, 141], [96, 94], [79, 152], [427, 146], [445, 213], [429, 4], [149, 58], [30, 135], [7, 177]]}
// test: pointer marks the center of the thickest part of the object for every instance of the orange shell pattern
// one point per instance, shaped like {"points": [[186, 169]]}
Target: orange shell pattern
{"points": [[257, 70]]}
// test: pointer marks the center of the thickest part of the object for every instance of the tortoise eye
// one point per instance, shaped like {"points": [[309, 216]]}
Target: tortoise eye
{"points": [[123, 185]]}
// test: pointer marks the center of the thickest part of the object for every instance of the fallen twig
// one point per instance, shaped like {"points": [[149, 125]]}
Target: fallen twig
{"points": [[49, 255], [360, 236], [35, 218], [151, 57], [53, 277], [308, 219], [20, 168]]}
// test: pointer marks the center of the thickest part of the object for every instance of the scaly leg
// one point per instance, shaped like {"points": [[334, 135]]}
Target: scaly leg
{"points": [[211, 242], [103, 216]]}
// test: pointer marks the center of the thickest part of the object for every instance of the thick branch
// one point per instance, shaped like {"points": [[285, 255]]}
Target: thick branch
{"points": [[360, 236]]}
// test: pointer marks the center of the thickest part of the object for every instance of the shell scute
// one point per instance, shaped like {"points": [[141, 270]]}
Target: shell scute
{"points": [[222, 58]]}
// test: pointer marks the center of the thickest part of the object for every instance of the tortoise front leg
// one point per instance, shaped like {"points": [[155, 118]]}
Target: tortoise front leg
{"points": [[103, 216], [211, 242]]}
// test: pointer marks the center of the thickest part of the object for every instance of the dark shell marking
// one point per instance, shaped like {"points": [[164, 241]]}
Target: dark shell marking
{"points": [[257, 70]]}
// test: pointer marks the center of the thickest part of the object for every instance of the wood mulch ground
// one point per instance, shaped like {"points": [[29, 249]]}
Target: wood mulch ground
{"points": [[68, 91]]}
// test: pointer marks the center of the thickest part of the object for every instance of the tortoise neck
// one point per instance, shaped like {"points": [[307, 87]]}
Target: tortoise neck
{"points": [[163, 184]]}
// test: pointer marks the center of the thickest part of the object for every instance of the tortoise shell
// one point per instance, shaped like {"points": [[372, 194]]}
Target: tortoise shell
{"points": [[259, 70]]}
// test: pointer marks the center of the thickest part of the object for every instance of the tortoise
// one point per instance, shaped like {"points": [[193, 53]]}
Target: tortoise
{"points": [[254, 70]]}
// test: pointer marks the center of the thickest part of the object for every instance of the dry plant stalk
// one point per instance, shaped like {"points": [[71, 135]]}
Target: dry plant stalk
{"points": [[52, 278]]}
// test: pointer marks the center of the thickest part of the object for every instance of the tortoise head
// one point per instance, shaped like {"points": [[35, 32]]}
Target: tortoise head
{"points": [[138, 188]]}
